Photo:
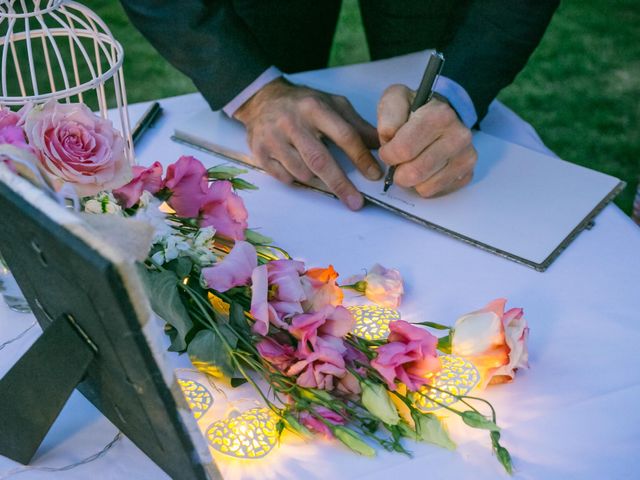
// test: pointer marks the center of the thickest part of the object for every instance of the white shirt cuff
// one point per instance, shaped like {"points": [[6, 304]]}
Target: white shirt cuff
{"points": [[459, 100], [269, 75]]}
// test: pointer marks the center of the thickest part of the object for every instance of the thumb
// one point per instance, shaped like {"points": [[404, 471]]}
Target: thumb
{"points": [[394, 109]]}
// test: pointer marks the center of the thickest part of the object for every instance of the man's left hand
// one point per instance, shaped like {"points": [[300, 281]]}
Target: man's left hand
{"points": [[431, 147]]}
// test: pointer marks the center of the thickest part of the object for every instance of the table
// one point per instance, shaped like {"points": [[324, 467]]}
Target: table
{"points": [[572, 415]]}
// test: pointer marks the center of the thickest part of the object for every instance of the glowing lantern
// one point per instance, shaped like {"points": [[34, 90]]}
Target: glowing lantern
{"points": [[372, 322], [250, 435], [197, 396], [456, 377]]}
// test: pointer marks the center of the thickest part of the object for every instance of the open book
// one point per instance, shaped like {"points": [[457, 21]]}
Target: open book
{"points": [[521, 204]]}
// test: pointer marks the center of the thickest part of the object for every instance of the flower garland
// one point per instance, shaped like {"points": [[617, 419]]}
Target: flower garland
{"points": [[241, 307]]}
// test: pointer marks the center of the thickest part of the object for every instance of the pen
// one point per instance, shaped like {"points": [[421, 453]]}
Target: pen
{"points": [[423, 95], [147, 119]]}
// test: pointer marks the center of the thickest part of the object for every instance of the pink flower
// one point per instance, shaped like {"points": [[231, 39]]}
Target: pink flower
{"points": [[494, 340], [187, 180], [331, 321], [382, 286], [408, 356], [279, 355], [285, 287], [316, 425], [224, 210], [276, 293], [321, 288], [10, 132], [322, 366], [235, 269], [349, 384], [78, 147], [149, 179]]}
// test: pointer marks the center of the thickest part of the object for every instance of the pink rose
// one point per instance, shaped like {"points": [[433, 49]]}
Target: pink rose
{"points": [[331, 321], [321, 288], [279, 355], [322, 366], [494, 340], [234, 270], [276, 293], [224, 210], [78, 147], [408, 356], [149, 179], [316, 425], [382, 286], [187, 181]]}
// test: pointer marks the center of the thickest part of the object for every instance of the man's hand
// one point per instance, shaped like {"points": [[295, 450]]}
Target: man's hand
{"points": [[431, 147], [286, 124]]}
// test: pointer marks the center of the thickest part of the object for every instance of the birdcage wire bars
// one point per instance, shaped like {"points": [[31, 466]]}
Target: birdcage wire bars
{"points": [[62, 50]]}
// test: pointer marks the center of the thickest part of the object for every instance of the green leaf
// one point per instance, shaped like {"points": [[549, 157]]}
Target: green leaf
{"points": [[477, 420], [181, 266], [315, 394], [225, 172], [444, 344], [505, 459], [238, 321], [352, 440], [240, 184], [236, 382], [295, 426], [437, 326], [164, 296], [430, 429], [256, 238], [206, 347]]}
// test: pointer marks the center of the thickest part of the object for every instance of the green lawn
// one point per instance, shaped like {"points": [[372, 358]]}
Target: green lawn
{"points": [[581, 89]]}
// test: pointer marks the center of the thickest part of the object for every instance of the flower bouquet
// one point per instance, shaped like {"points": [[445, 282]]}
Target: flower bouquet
{"points": [[336, 358]]}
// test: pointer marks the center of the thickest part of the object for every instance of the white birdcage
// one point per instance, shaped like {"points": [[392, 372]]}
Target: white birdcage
{"points": [[62, 50]]}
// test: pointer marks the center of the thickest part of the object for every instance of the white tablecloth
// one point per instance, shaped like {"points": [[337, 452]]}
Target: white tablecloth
{"points": [[574, 414]]}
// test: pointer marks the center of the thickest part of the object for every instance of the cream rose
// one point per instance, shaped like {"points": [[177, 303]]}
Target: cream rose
{"points": [[494, 340]]}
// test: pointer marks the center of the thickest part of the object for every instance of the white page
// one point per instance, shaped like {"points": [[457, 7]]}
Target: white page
{"points": [[521, 203]]}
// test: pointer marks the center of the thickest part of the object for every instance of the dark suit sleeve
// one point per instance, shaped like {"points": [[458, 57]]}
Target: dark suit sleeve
{"points": [[493, 42], [204, 39]]}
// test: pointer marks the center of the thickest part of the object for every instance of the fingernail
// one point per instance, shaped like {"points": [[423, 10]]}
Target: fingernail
{"points": [[374, 172], [354, 202]]}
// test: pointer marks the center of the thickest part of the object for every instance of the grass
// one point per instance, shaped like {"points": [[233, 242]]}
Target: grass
{"points": [[580, 90]]}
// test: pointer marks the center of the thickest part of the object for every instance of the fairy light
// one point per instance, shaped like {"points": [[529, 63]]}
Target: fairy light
{"points": [[372, 321], [250, 435], [197, 396], [456, 376]]}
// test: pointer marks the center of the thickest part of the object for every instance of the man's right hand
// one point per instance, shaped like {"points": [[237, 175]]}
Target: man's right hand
{"points": [[286, 124]]}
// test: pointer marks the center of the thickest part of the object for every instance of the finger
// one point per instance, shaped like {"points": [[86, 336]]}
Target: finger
{"points": [[367, 132], [290, 159], [347, 138], [272, 166], [427, 164], [423, 128], [275, 169], [457, 173], [320, 162], [394, 109]]}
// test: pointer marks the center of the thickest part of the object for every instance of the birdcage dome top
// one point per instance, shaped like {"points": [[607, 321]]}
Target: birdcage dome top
{"points": [[53, 49]]}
